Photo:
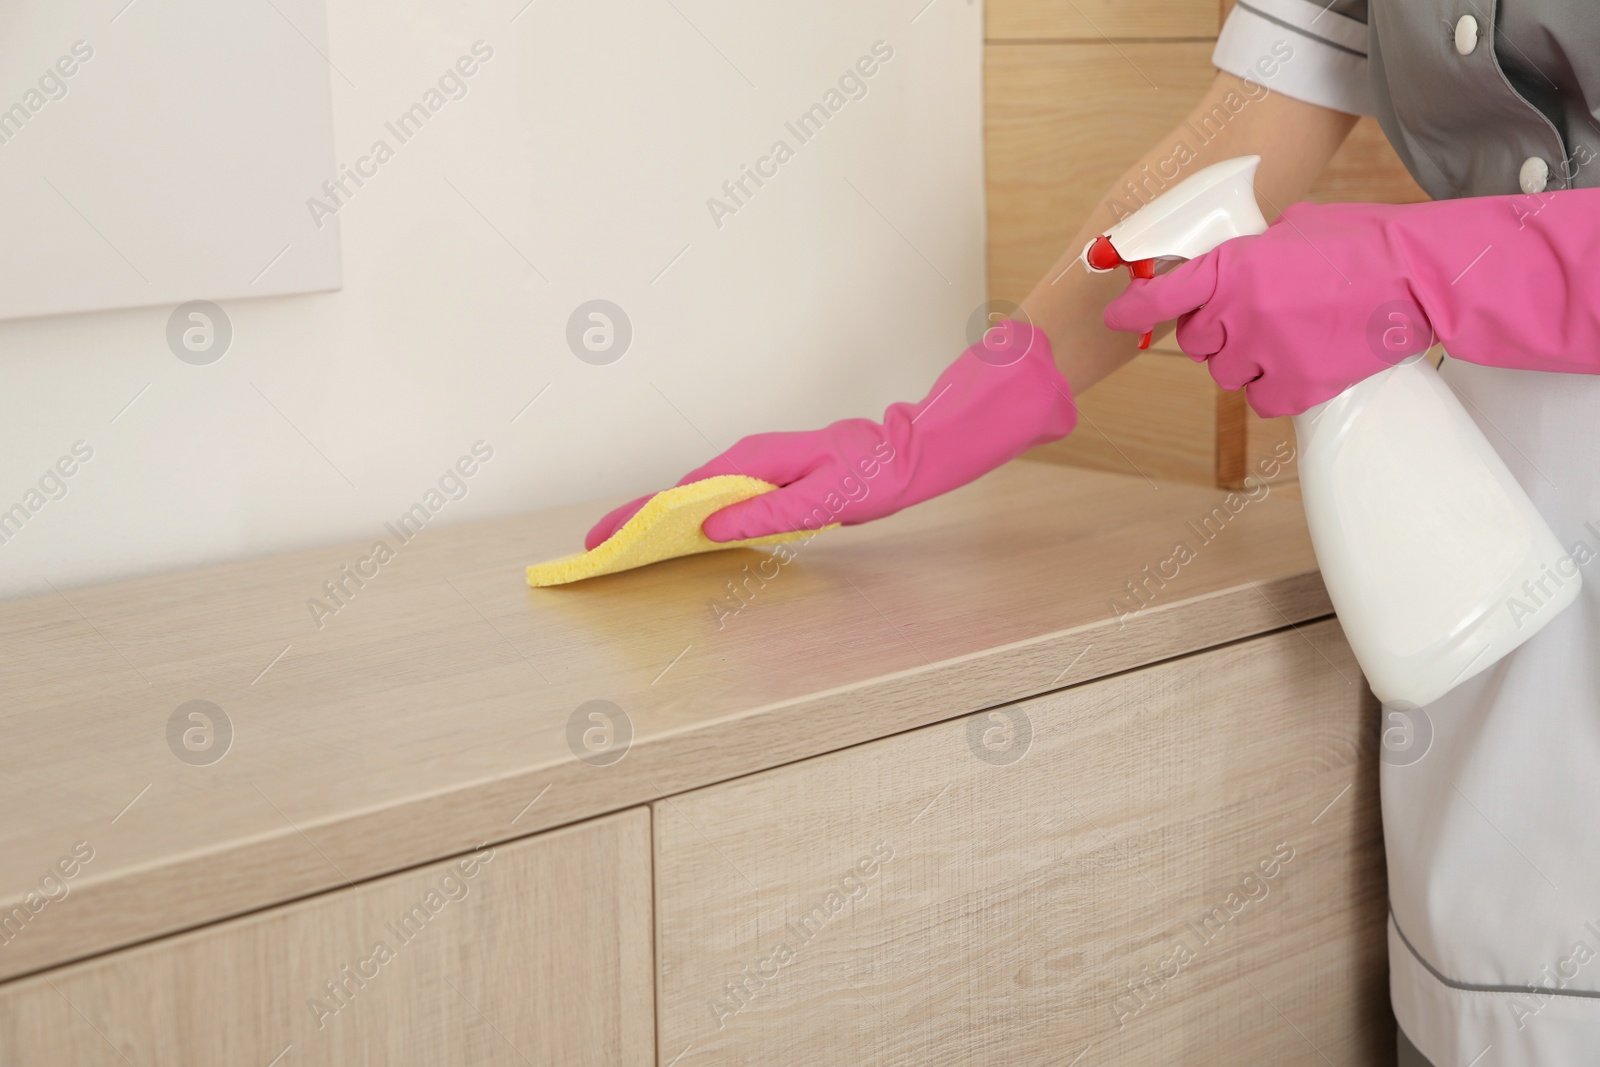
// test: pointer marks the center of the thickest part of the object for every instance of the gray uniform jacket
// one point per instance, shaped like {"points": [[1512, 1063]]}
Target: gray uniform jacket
{"points": [[1477, 98]]}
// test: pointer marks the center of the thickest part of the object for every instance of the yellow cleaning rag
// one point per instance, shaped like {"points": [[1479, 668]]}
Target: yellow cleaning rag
{"points": [[666, 527]]}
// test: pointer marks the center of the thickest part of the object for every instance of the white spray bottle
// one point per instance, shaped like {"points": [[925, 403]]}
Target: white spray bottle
{"points": [[1437, 562]]}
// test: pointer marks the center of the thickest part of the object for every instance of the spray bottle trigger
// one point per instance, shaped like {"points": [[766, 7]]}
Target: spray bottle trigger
{"points": [[1143, 268], [1101, 255]]}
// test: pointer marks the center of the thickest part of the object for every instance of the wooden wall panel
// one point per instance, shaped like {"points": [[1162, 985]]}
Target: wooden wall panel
{"points": [[1096, 20], [543, 955], [1152, 418], [1162, 417], [1062, 122], [1019, 895]]}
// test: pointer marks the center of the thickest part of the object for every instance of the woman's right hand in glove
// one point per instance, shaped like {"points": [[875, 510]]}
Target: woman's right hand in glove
{"points": [[1000, 398]]}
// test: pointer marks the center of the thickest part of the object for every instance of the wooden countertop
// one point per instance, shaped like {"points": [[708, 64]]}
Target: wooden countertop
{"points": [[431, 712]]}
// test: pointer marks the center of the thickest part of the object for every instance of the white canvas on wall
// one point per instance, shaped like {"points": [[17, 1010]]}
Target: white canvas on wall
{"points": [[159, 152]]}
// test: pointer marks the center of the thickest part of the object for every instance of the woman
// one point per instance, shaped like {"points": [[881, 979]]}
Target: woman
{"points": [[1493, 835]]}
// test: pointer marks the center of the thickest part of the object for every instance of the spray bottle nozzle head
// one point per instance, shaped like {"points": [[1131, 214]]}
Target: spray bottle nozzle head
{"points": [[1100, 255], [1193, 217]]}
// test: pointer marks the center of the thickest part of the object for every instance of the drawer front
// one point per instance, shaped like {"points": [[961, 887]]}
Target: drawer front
{"points": [[536, 951], [1178, 865]]}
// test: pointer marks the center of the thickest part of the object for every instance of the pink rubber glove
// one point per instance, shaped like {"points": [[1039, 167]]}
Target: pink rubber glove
{"points": [[1001, 397], [1333, 293]]}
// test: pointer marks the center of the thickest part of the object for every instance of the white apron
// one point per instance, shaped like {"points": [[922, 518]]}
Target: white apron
{"points": [[1493, 834]]}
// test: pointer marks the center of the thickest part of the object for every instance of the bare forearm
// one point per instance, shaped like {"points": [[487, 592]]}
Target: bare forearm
{"points": [[1295, 140]]}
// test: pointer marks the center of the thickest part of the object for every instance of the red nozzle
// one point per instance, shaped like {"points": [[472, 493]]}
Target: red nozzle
{"points": [[1102, 255]]}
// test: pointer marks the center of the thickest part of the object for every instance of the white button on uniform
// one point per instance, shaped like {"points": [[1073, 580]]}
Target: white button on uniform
{"points": [[1466, 34], [1534, 174]]}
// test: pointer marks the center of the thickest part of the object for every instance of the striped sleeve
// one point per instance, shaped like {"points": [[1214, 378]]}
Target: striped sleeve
{"points": [[1301, 49]]}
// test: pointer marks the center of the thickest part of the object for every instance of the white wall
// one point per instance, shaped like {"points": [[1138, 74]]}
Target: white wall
{"points": [[587, 146]]}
